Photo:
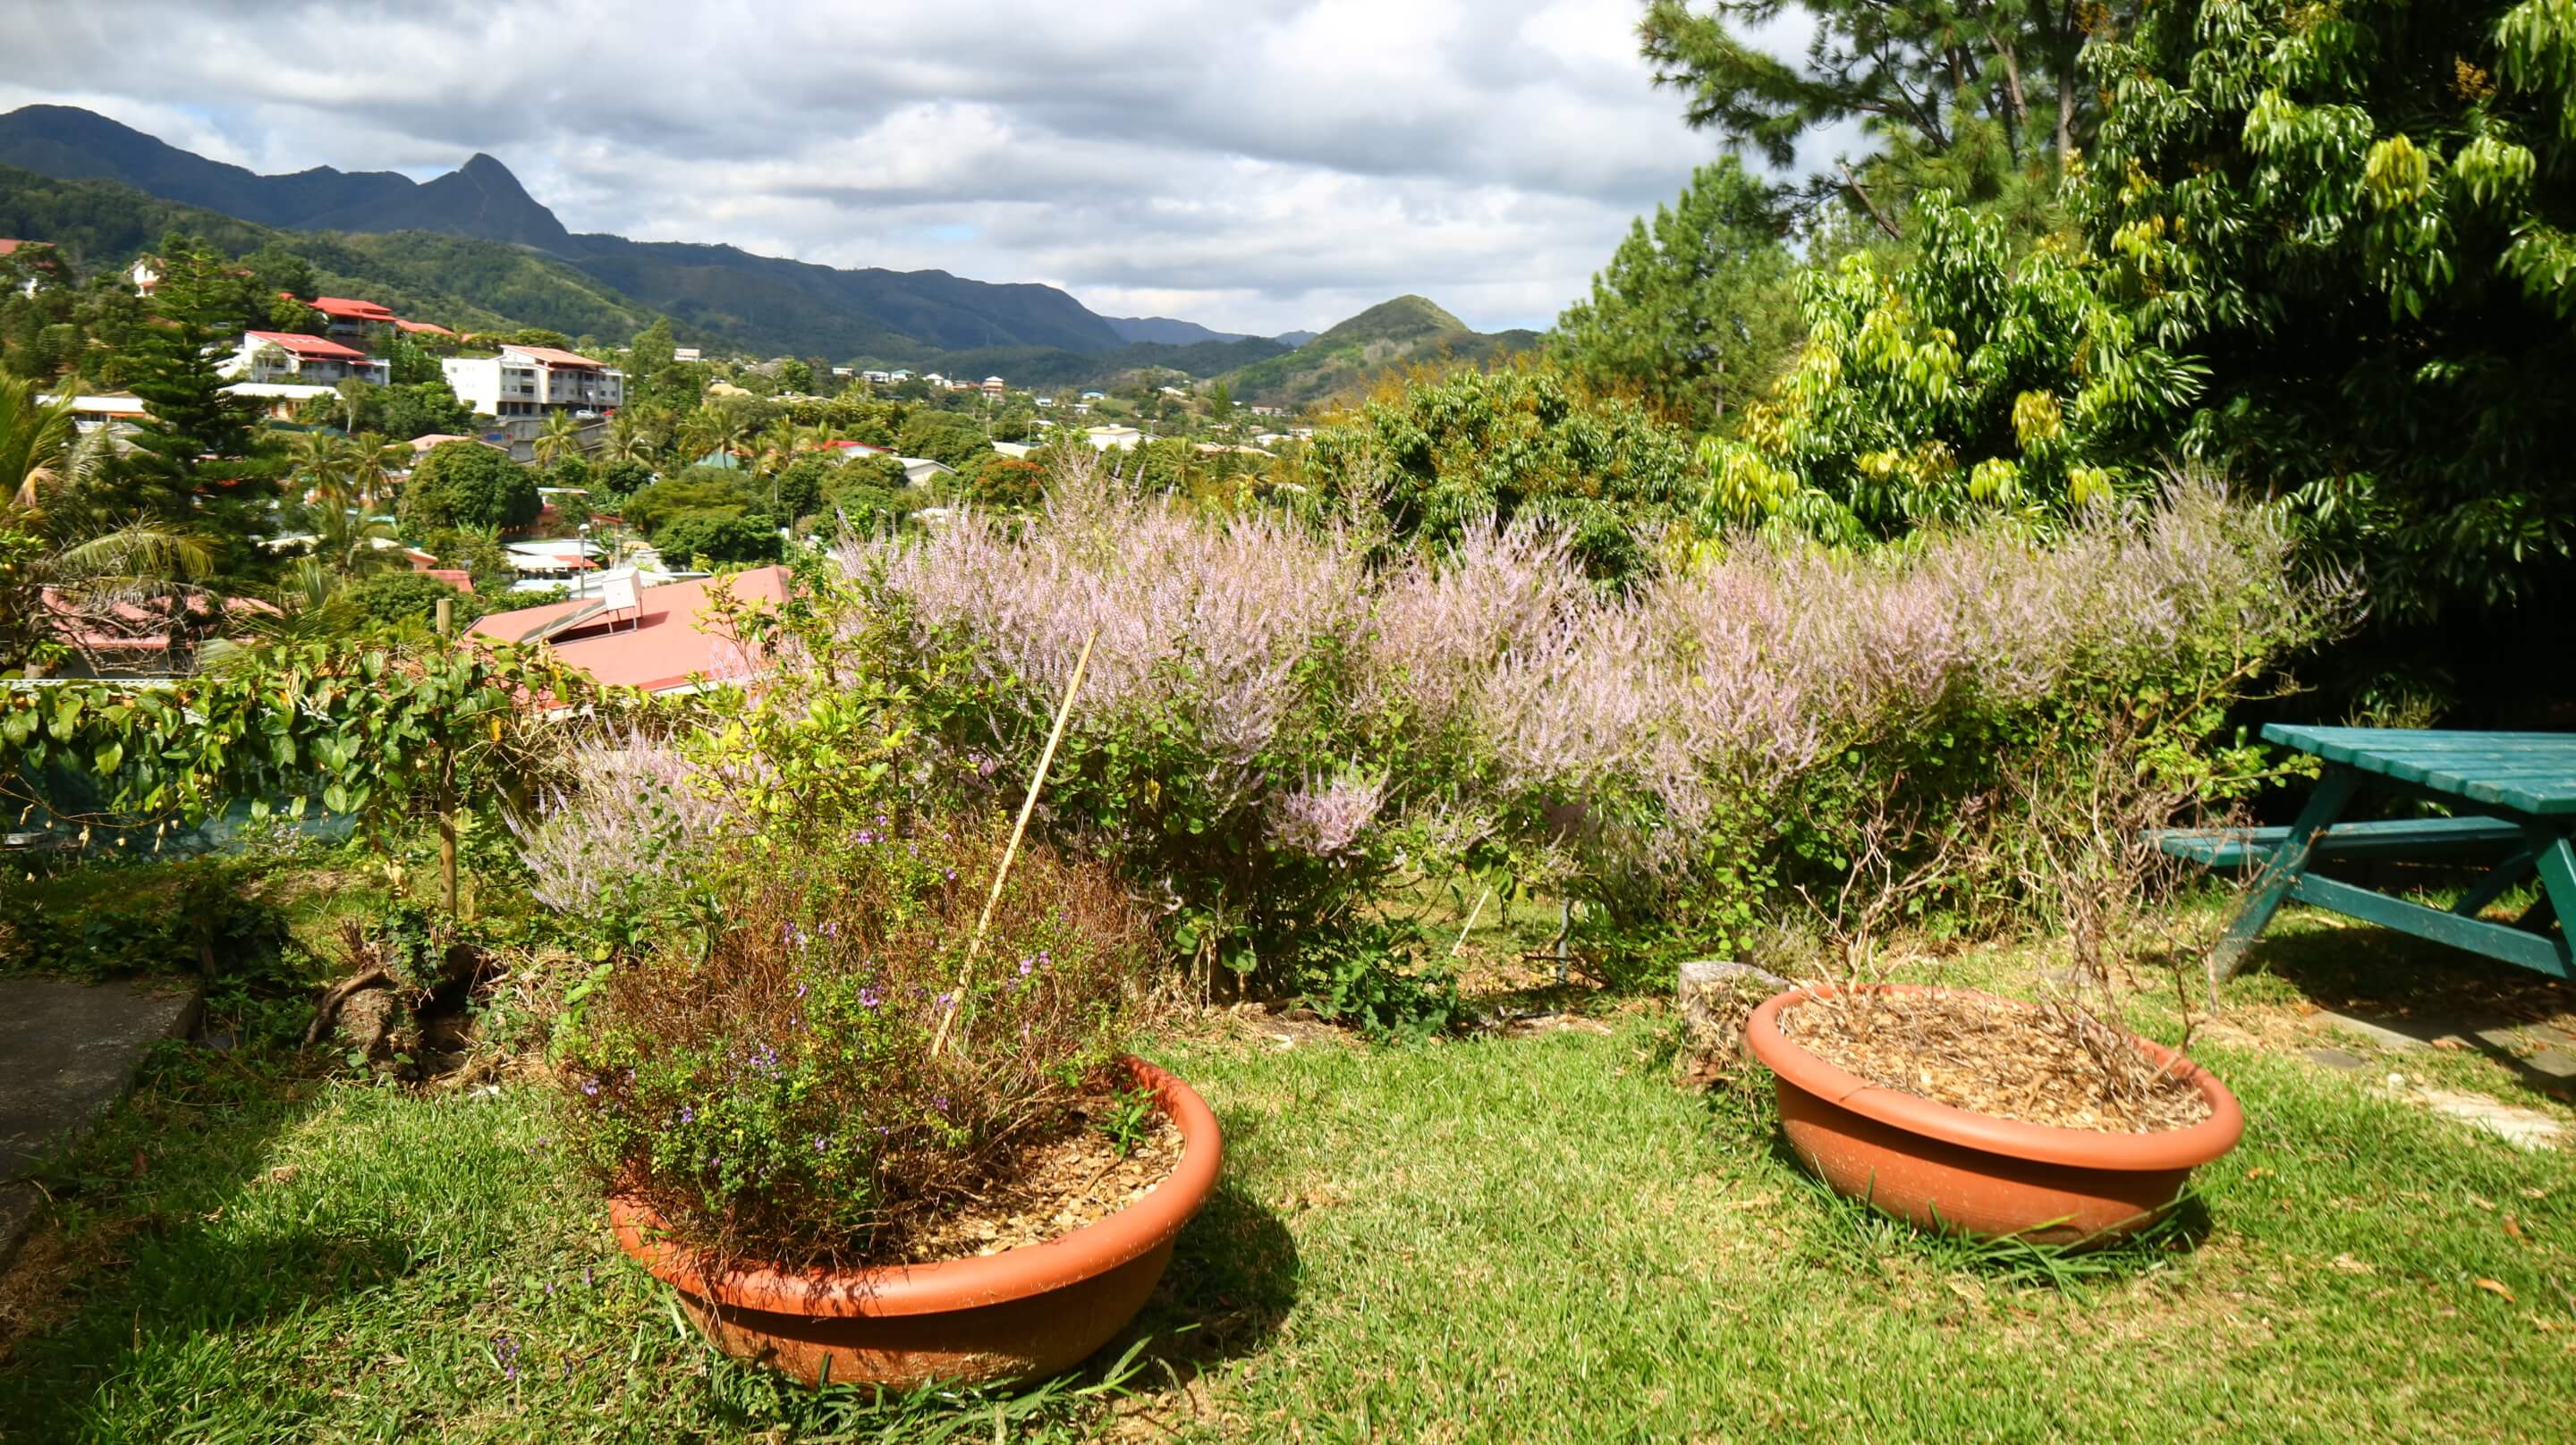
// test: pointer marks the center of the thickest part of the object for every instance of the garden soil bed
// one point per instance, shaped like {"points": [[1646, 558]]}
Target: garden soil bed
{"points": [[1057, 1186], [2038, 1064]]}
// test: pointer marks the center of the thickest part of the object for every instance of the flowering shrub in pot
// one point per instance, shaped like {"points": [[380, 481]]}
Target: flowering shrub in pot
{"points": [[832, 1130]]}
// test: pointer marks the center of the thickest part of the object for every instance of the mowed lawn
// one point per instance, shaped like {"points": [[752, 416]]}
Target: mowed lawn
{"points": [[1531, 1237]]}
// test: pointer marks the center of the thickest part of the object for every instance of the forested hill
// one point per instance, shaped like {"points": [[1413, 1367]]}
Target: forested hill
{"points": [[1400, 332], [477, 285], [759, 303], [458, 282]]}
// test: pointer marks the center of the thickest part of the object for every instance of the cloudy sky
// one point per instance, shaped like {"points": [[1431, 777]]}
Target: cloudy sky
{"points": [[1254, 165]]}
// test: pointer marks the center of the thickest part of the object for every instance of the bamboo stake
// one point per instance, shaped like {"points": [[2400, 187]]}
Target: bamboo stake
{"points": [[1028, 805], [447, 786], [1472, 915]]}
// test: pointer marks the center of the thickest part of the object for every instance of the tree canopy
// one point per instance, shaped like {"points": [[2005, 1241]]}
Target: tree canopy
{"points": [[468, 485], [1696, 313], [2361, 221], [1981, 98]]}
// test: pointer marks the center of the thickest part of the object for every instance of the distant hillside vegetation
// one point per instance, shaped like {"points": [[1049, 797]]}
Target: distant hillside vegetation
{"points": [[465, 284], [760, 304], [1166, 331], [1404, 331], [1054, 367]]}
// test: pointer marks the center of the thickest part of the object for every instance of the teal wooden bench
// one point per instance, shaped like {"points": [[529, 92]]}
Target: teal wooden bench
{"points": [[2514, 796], [2400, 838]]}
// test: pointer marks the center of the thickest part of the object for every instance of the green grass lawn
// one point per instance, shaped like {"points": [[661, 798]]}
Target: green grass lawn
{"points": [[1517, 1238]]}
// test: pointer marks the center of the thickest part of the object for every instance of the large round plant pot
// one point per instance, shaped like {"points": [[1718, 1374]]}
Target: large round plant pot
{"points": [[1953, 1170], [1019, 1314]]}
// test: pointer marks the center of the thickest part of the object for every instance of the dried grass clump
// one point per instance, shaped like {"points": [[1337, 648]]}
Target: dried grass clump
{"points": [[2049, 1063], [777, 1097]]}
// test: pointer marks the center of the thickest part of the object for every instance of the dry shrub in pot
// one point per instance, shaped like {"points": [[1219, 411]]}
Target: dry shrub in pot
{"points": [[769, 1086]]}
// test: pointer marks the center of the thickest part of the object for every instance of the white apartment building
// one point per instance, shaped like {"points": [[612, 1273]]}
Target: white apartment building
{"points": [[533, 381]]}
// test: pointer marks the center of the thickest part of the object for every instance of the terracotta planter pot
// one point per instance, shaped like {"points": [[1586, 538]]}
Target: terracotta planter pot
{"points": [[1020, 1314], [1950, 1169]]}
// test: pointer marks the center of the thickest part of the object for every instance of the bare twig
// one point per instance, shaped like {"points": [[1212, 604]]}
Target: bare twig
{"points": [[1028, 805]]}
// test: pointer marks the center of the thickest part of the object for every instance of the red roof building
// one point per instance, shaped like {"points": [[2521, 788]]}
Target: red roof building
{"points": [[423, 328], [553, 357], [310, 359], [657, 645], [309, 347], [347, 308]]}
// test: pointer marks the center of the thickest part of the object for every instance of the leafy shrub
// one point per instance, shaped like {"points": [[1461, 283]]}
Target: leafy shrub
{"points": [[468, 485], [1522, 443], [1000, 481], [698, 489], [402, 599], [205, 916], [716, 537], [618, 481], [943, 437], [773, 1083], [1968, 383]]}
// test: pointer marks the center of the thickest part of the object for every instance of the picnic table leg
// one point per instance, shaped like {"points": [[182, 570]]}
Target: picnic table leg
{"points": [[2493, 886], [2558, 891], [2281, 871]]}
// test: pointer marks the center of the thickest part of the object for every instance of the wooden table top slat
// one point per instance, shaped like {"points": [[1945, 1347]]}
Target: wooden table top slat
{"points": [[2532, 773]]}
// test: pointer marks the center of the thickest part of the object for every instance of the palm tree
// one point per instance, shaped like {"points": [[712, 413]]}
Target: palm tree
{"points": [[34, 437], [372, 466], [630, 439], [560, 437], [67, 562], [721, 428], [345, 541], [321, 461]]}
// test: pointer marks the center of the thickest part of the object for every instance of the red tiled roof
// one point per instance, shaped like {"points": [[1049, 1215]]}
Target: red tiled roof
{"points": [[456, 577], [310, 347], [416, 327], [67, 619], [657, 646], [350, 307], [9, 247], [551, 357]]}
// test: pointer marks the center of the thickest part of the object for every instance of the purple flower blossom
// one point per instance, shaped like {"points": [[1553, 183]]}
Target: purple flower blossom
{"points": [[590, 1087], [869, 997]]}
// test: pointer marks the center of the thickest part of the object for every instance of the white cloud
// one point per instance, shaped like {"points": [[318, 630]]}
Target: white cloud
{"points": [[1254, 166]]}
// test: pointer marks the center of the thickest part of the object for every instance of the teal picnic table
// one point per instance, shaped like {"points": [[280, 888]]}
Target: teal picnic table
{"points": [[2512, 803]]}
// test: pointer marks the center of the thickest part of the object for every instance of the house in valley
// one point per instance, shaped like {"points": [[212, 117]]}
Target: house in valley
{"points": [[268, 356]]}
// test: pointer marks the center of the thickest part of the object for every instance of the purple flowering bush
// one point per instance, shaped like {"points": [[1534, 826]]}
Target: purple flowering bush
{"points": [[1283, 726], [769, 1084]]}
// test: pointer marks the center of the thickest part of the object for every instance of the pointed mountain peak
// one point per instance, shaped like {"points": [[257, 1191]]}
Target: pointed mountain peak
{"points": [[490, 172]]}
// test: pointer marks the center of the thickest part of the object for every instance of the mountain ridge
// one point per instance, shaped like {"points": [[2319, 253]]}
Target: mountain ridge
{"points": [[476, 241]]}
